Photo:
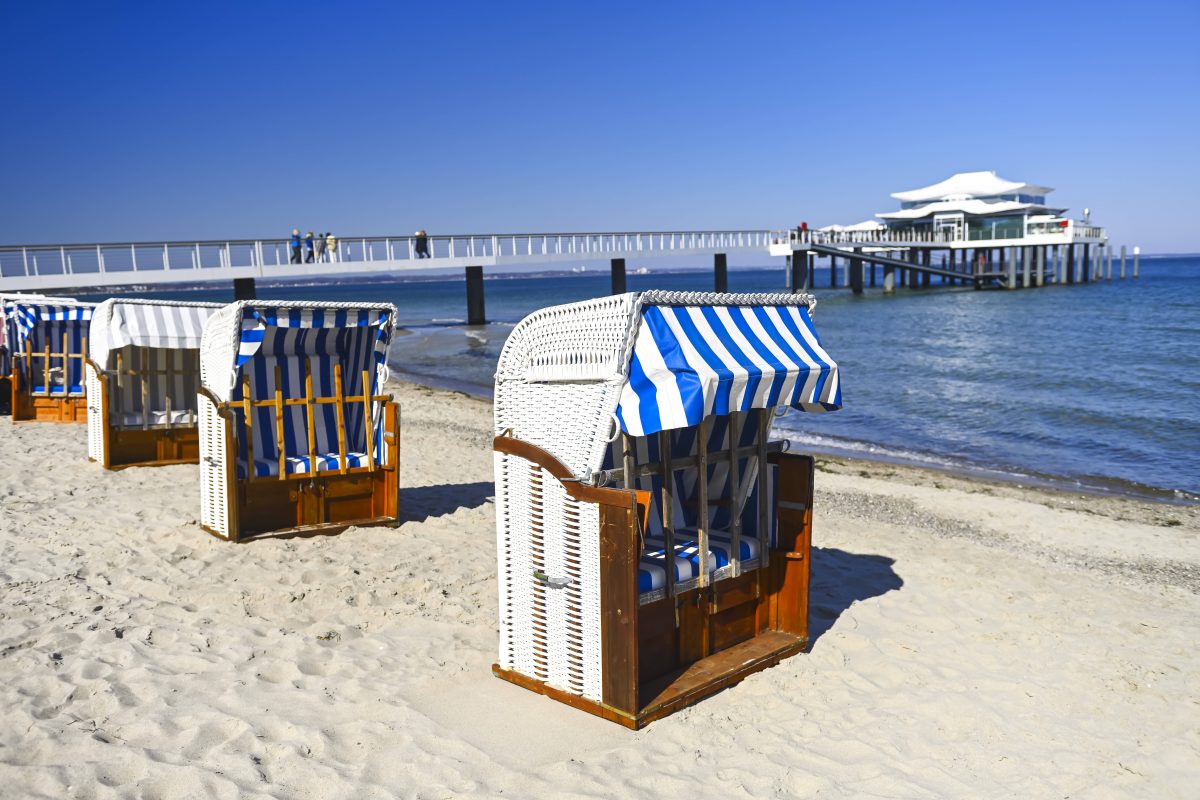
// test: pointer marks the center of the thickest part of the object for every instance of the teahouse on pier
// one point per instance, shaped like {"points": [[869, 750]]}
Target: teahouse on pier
{"points": [[984, 231], [971, 229]]}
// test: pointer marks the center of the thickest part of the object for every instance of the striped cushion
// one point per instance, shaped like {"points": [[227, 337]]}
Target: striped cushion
{"points": [[651, 572], [57, 388], [326, 462]]}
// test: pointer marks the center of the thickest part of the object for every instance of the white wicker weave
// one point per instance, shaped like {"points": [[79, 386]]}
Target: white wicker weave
{"points": [[558, 384]]}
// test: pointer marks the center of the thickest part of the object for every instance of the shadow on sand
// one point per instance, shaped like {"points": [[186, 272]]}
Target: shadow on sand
{"points": [[419, 503], [839, 579]]}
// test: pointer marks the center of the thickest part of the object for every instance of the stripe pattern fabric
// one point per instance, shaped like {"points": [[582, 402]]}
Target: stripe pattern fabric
{"points": [[42, 326], [355, 339], [175, 327], [689, 362]]}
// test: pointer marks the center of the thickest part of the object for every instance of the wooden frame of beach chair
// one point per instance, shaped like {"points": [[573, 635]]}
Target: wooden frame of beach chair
{"points": [[143, 377], [592, 611], [331, 479], [8, 339], [60, 328]]}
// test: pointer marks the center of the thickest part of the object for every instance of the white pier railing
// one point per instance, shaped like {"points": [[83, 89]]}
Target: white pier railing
{"points": [[39, 266]]}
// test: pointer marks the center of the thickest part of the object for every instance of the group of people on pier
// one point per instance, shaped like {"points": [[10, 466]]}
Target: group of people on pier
{"points": [[314, 248]]}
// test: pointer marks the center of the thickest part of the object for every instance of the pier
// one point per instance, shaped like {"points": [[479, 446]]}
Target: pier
{"points": [[972, 229]]}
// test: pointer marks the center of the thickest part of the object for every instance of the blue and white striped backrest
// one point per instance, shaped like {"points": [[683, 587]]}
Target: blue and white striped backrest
{"points": [[357, 340], [684, 444], [43, 326]]}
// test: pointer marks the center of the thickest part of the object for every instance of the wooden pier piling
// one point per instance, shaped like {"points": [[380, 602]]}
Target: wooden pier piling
{"points": [[1137, 254], [475, 312], [720, 273], [856, 273], [244, 289], [799, 272], [618, 275], [1122, 262]]}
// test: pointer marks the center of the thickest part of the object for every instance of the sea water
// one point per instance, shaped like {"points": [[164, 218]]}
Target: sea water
{"points": [[1095, 385]]}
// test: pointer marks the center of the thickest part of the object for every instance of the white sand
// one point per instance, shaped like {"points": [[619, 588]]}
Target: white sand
{"points": [[973, 640]]}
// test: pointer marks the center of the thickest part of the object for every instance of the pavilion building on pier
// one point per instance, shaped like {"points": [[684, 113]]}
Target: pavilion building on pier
{"points": [[974, 206]]}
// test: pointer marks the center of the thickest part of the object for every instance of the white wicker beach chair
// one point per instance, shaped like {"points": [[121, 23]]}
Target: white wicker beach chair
{"points": [[296, 436], [47, 342], [143, 375], [692, 571]]}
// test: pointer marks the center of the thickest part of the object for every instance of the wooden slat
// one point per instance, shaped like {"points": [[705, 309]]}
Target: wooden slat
{"points": [[46, 370], [702, 501], [309, 418], [667, 473], [170, 386], [737, 420], [619, 554], [248, 422], [764, 511], [338, 395], [279, 440], [367, 427], [120, 381], [145, 390]]}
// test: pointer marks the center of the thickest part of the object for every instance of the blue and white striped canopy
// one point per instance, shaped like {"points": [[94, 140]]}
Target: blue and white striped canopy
{"points": [[28, 315], [255, 322], [694, 361]]}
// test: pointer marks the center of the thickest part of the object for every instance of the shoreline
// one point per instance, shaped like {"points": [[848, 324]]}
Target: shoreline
{"points": [[1064, 484]]}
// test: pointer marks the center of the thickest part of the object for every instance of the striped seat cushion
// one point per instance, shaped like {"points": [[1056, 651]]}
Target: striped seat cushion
{"points": [[720, 543], [57, 388], [326, 462], [185, 417], [652, 575]]}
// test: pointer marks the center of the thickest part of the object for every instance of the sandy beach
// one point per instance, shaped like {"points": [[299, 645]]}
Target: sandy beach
{"points": [[971, 639]]}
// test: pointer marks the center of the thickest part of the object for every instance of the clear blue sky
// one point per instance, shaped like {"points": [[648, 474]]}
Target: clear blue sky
{"points": [[185, 120]]}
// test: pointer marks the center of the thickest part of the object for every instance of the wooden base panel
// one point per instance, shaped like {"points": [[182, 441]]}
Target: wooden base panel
{"points": [[152, 448], [48, 409], [667, 695]]}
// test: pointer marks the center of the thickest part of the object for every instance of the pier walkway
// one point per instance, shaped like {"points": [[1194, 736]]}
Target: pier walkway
{"points": [[972, 257]]}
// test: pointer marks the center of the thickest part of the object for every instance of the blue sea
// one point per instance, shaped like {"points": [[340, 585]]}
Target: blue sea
{"points": [[1095, 386]]}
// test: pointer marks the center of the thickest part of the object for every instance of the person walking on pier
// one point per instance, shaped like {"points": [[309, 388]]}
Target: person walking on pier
{"points": [[320, 246], [422, 248], [331, 246], [308, 248], [295, 245]]}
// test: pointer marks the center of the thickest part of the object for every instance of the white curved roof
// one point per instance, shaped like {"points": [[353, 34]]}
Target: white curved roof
{"points": [[146, 323], [975, 207], [966, 185]]}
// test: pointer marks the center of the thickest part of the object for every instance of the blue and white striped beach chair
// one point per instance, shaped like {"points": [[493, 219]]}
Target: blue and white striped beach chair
{"points": [[143, 376], [296, 435], [652, 542], [47, 338]]}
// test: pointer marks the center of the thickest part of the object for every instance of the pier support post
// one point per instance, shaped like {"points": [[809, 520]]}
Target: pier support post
{"points": [[1026, 267], [1011, 268], [913, 277], [1122, 262], [1059, 270], [833, 272], [1085, 265], [1137, 255], [720, 273], [926, 257], [873, 265], [618, 276], [799, 277], [475, 314], [856, 272], [244, 289], [1070, 265], [1039, 275], [1108, 255]]}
